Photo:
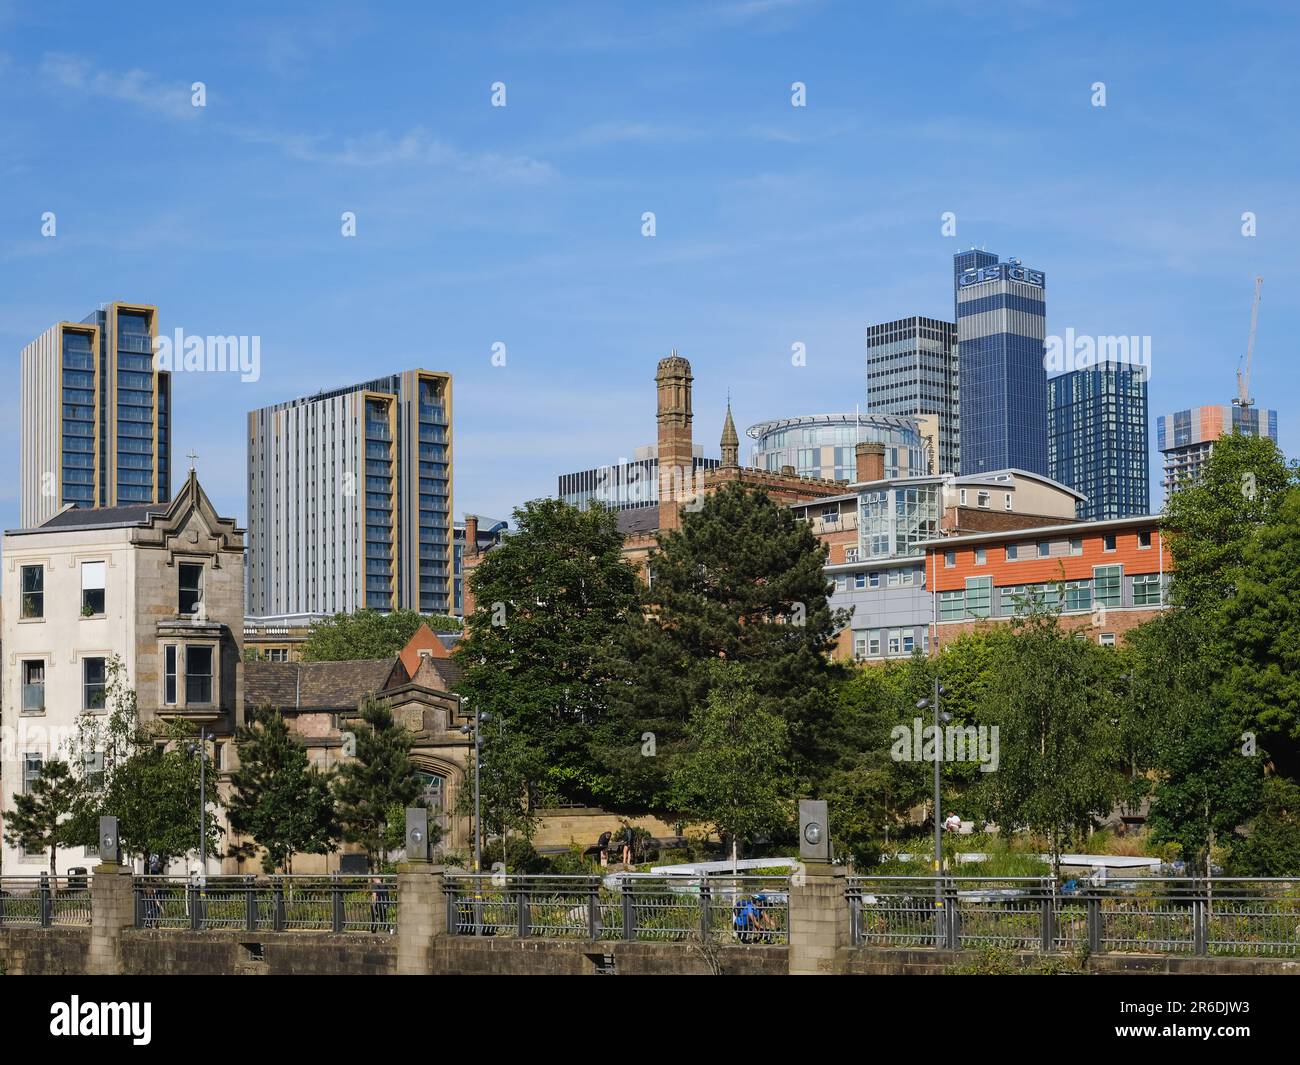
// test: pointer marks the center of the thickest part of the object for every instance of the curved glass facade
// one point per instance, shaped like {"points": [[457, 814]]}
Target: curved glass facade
{"points": [[822, 445]]}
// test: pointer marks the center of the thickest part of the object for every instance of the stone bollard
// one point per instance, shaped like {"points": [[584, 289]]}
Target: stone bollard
{"points": [[819, 919], [421, 916], [112, 908]]}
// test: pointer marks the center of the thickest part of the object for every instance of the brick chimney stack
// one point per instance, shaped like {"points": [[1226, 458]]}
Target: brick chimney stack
{"points": [[471, 535], [676, 463], [870, 460]]}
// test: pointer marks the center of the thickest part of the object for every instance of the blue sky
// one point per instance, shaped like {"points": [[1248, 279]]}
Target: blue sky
{"points": [[522, 224]]}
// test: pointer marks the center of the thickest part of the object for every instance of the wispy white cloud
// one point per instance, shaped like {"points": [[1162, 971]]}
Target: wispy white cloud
{"points": [[135, 87]]}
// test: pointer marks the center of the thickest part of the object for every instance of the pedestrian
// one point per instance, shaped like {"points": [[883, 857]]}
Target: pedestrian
{"points": [[602, 845], [152, 900], [628, 836]]}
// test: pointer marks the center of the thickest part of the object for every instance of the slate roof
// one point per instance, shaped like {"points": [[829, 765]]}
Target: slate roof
{"points": [[325, 686]]}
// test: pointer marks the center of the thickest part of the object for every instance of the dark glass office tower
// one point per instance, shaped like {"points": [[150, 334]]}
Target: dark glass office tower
{"points": [[1097, 438], [1001, 324]]}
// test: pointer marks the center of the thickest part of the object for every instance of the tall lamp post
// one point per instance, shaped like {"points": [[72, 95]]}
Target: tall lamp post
{"points": [[940, 718], [475, 729]]}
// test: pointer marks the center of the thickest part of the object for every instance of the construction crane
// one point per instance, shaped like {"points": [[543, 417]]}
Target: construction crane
{"points": [[1243, 399]]}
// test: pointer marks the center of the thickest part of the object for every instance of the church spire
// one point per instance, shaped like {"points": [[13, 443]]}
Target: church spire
{"points": [[730, 441]]}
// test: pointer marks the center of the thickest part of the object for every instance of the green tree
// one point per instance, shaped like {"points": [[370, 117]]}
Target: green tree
{"points": [[509, 766], [1053, 699], [369, 634], [547, 600], [41, 817], [740, 581], [734, 773], [278, 798], [1273, 846], [1261, 626], [380, 778]]}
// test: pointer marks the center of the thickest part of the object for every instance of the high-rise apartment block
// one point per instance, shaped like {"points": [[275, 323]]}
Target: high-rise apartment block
{"points": [[96, 415], [1097, 438], [1187, 437], [912, 370], [1001, 315], [350, 499]]}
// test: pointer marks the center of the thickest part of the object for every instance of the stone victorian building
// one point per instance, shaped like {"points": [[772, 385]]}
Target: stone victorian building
{"points": [[319, 699], [157, 587]]}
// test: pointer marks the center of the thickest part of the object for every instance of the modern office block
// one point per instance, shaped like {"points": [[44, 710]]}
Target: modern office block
{"points": [[912, 370], [1186, 437], [350, 499], [628, 484], [1097, 438], [96, 415], [1001, 325]]}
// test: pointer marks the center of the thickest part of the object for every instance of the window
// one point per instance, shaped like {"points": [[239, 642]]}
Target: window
{"points": [[859, 580], [1006, 501], [1076, 545], [874, 580], [841, 585], [1146, 589], [1144, 539], [860, 647], [1108, 542], [895, 640], [1107, 585], [1013, 552], [191, 587], [894, 578], [198, 675], [949, 559], [1106, 639], [830, 515], [1044, 548], [169, 675], [92, 589], [850, 554], [873, 643], [32, 763], [952, 605], [983, 499], [33, 592], [33, 686], [981, 556], [979, 596], [909, 642], [93, 680], [963, 497], [1078, 595], [94, 761]]}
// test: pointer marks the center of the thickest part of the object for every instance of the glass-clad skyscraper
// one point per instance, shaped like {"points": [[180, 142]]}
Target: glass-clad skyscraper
{"points": [[1186, 437], [96, 415], [823, 445], [1001, 324], [912, 370], [1097, 438], [350, 499]]}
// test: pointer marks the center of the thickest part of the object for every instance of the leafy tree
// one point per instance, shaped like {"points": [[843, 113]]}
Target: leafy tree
{"points": [[369, 634], [380, 779], [741, 580], [1261, 625], [547, 600], [40, 817], [278, 798], [1273, 846], [1053, 700], [1210, 523], [734, 772], [146, 775]]}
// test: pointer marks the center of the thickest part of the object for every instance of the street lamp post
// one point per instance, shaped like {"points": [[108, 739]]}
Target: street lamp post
{"points": [[478, 807], [203, 801], [933, 703]]}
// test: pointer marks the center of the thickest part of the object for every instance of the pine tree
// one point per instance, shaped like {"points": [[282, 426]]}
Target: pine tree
{"points": [[378, 779], [278, 797], [740, 581], [39, 819]]}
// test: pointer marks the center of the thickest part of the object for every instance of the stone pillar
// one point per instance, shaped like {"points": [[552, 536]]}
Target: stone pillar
{"points": [[421, 916], [112, 908], [819, 919]]}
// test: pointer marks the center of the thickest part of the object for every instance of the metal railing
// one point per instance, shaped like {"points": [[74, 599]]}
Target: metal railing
{"points": [[1147, 915], [277, 904], [719, 908], [44, 901]]}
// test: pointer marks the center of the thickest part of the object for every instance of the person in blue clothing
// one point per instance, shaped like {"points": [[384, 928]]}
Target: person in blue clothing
{"points": [[750, 919]]}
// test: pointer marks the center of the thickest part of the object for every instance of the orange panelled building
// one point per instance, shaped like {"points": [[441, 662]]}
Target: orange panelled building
{"points": [[1105, 577]]}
